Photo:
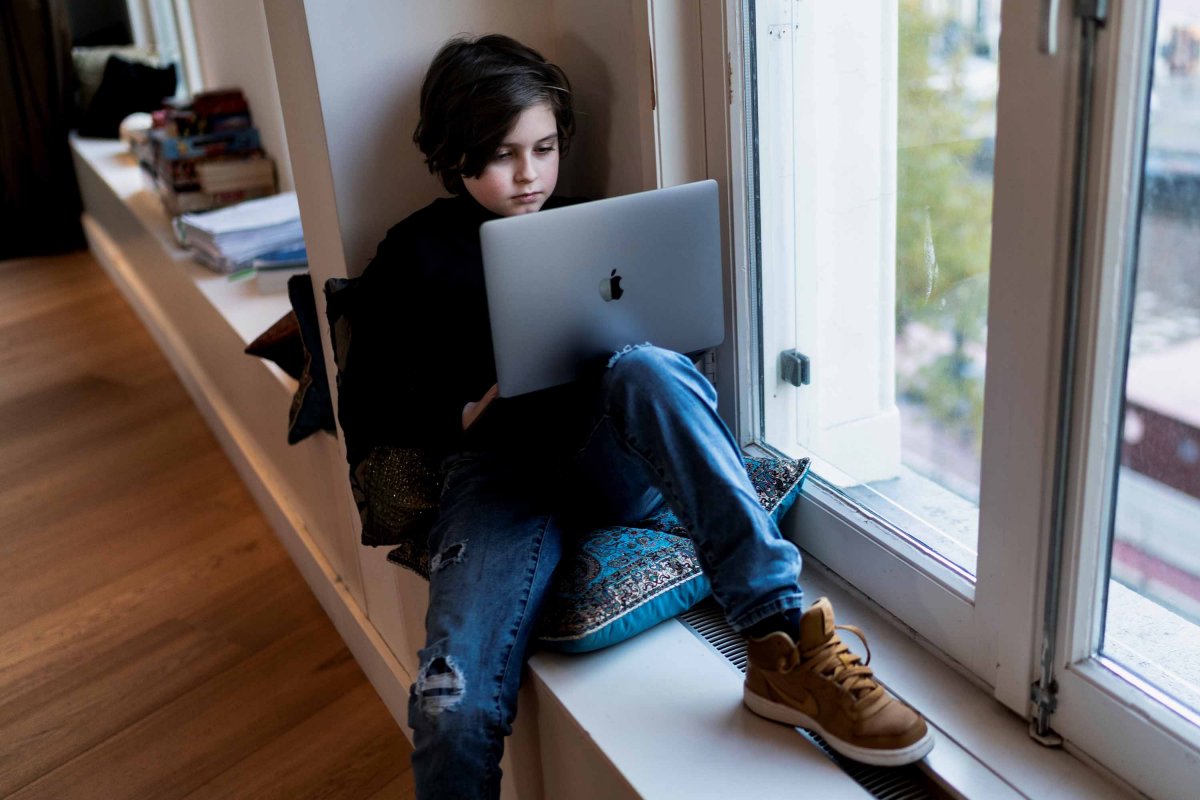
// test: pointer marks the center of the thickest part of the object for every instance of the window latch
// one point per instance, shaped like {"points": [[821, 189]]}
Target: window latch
{"points": [[795, 367]]}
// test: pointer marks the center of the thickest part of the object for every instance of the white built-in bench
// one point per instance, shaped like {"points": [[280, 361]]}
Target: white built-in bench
{"points": [[659, 716]]}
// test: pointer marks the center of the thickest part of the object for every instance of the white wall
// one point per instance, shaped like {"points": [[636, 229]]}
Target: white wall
{"points": [[369, 60], [234, 51], [604, 49]]}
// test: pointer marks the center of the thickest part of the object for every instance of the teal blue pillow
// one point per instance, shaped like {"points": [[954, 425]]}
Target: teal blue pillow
{"points": [[618, 581], [621, 580]]}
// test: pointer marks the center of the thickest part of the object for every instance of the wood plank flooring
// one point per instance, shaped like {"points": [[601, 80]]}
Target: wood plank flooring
{"points": [[155, 639]]}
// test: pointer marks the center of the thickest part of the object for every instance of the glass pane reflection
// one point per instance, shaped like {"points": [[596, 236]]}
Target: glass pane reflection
{"points": [[1152, 621]]}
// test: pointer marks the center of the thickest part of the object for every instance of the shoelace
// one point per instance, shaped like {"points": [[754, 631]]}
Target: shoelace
{"points": [[834, 659]]}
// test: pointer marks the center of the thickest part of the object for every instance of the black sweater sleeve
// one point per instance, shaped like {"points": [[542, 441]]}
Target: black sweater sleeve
{"points": [[396, 390]]}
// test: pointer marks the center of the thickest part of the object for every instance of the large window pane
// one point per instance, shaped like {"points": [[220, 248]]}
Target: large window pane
{"points": [[875, 139], [1152, 622]]}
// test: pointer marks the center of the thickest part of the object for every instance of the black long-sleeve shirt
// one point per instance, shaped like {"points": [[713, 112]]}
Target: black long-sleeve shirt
{"points": [[421, 344]]}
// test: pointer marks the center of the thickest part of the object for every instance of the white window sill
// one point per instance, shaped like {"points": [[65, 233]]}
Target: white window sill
{"points": [[666, 711], [248, 311], [911, 500]]}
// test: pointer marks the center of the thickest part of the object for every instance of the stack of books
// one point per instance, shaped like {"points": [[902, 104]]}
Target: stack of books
{"points": [[206, 153], [257, 234], [272, 270]]}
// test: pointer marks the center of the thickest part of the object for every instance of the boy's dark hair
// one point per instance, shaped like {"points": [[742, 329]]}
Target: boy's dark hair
{"points": [[473, 93]]}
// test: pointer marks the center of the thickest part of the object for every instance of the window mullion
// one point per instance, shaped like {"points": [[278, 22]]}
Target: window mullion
{"points": [[1025, 288]]}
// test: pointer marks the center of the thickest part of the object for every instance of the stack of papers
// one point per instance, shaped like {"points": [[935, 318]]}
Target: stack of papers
{"points": [[233, 237]]}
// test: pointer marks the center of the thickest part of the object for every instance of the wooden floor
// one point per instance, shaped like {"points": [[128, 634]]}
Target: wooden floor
{"points": [[155, 640]]}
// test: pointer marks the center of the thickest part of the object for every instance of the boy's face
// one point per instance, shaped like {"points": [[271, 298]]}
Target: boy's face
{"points": [[524, 169]]}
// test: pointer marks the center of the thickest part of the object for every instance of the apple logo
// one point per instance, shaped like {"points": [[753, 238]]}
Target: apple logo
{"points": [[610, 287]]}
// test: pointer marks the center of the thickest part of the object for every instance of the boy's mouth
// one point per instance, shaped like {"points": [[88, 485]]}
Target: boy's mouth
{"points": [[529, 197]]}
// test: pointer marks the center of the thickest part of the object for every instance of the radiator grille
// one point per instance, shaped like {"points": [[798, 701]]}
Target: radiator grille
{"points": [[707, 621]]}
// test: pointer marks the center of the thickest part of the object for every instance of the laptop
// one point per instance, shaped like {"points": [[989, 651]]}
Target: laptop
{"points": [[568, 285]]}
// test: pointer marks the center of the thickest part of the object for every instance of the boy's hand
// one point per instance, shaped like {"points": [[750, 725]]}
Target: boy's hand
{"points": [[471, 411]]}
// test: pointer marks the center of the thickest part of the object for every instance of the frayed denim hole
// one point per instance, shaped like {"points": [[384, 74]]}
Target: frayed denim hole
{"points": [[440, 685], [452, 554]]}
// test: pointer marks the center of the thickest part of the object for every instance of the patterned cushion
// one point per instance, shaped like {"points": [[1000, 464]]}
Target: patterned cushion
{"points": [[126, 87], [281, 343], [312, 407], [618, 581], [294, 343], [396, 492]]}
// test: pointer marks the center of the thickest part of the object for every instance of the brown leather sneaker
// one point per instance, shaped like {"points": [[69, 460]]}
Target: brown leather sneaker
{"points": [[822, 686]]}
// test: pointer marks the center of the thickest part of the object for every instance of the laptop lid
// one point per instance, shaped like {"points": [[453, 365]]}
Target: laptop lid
{"points": [[571, 284]]}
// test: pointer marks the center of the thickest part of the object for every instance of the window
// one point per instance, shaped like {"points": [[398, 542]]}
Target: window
{"points": [[1157, 508], [903, 196], [166, 25], [878, 146], [875, 150]]}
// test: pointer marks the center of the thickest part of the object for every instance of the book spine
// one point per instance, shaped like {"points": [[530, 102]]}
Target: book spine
{"points": [[220, 102], [226, 170], [265, 185], [172, 149], [183, 202]]}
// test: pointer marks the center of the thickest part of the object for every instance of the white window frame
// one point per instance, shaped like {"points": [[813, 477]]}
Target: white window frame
{"points": [[1157, 750], [155, 21], [990, 628], [827, 77]]}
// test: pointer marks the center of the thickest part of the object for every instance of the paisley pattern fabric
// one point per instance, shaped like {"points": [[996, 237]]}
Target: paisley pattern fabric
{"points": [[776, 481], [613, 572], [617, 581]]}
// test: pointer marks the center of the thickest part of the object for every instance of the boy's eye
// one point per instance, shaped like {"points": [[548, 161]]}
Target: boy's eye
{"points": [[548, 148], [500, 156]]}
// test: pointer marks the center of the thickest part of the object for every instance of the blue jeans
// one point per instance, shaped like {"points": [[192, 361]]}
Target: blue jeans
{"points": [[653, 436]]}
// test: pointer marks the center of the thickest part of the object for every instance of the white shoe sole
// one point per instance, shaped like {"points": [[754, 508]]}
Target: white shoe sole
{"points": [[866, 755]]}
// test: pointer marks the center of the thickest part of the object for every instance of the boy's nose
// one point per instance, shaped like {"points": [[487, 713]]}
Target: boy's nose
{"points": [[525, 170]]}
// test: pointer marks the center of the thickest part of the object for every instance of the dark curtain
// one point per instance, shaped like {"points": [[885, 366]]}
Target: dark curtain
{"points": [[39, 198]]}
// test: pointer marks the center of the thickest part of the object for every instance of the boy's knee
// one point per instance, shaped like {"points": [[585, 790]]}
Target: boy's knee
{"points": [[653, 368], [645, 361], [631, 352]]}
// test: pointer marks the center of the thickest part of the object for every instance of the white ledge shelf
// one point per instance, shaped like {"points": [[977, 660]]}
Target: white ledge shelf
{"points": [[248, 311]]}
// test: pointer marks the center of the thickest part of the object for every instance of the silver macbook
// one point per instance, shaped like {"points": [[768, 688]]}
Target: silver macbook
{"points": [[568, 285]]}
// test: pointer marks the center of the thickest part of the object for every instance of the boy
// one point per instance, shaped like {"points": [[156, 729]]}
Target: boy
{"points": [[495, 119]]}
